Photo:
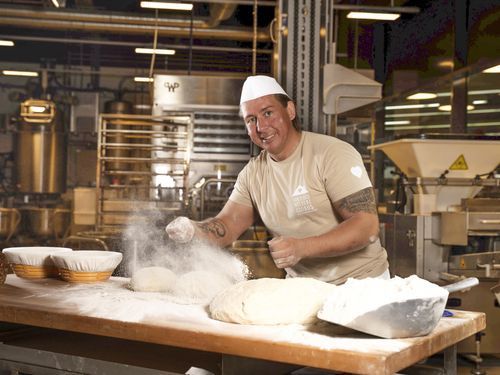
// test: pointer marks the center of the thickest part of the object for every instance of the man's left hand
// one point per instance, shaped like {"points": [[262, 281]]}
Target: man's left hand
{"points": [[286, 251]]}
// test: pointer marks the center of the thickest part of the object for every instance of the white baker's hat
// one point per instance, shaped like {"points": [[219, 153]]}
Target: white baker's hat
{"points": [[257, 86]]}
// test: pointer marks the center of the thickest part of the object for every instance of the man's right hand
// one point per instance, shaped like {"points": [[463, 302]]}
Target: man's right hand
{"points": [[181, 229]]}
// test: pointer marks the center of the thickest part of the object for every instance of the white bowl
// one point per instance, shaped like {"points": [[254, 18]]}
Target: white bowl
{"points": [[33, 262], [86, 265]]}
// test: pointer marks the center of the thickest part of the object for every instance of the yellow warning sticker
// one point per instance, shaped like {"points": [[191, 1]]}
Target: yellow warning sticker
{"points": [[459, 164]]}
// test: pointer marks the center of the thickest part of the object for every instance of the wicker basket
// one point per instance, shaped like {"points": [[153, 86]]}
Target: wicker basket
{"points": [[34, 272], [83, 277], [3, 268]]}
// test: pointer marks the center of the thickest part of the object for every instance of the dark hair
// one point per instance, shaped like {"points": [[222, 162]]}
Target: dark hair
{"points": [[283, 99]]}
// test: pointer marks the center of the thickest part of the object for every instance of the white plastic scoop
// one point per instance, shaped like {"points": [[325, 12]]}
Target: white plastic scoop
{"points": [[410, 317]]}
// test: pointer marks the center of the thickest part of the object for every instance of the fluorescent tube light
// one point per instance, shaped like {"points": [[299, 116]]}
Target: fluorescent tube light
{"points": [[373, 16], [412, 106], [447, 107], [401, 122], [55, 3], [155, 51], [421, 96], [170, 6], [493, 69], [6, 43], [143, 79], [480, 101], [22, 73]]}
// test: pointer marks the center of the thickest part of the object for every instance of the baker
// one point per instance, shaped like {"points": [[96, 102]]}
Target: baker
{"points": [[311, 191]]}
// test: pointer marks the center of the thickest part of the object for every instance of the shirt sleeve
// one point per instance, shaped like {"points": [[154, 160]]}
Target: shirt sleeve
{"points": [[344, 171]]}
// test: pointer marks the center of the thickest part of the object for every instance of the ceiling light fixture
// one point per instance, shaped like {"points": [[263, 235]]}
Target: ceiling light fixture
{"points": [[155, 51], [400, 122], [373, 12], [412, 106], [421, 96], [446, 64], [447, 107], [373, 16], [493, 69], [22, 73], [169, 6], [55, 3], [6, 43], [143, 79]]}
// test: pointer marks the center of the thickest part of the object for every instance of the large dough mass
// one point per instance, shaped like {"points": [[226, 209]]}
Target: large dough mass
{"points": [[271, 301]]}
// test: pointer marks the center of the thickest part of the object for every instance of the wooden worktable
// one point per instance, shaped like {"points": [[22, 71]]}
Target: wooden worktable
{"points": [[109, 309]]}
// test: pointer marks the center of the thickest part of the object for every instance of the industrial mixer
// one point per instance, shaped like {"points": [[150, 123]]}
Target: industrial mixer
{"points": [[447, 220]]}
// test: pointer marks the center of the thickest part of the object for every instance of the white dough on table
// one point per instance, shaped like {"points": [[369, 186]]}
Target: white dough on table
{"points": [[36, 256], [153, 279], [271, 301], [88, 260], [200, 286]]}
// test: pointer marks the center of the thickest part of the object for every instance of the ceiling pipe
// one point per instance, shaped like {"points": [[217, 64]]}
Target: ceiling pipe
{"points": [[120, 43], [242, 34], [218, 13]]}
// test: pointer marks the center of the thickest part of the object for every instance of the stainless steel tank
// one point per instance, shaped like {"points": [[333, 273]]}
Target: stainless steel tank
{"points": [[46, 223], [9, 222], [40, 148], [115, 139]]}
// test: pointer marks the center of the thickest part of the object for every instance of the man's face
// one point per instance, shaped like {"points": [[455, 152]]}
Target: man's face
{"points": [[269, 125]]}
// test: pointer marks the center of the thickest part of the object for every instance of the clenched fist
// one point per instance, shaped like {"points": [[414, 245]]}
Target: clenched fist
{"points": [[286, 251]]}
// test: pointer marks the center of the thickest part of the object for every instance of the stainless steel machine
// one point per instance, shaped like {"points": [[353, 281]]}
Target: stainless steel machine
{"points": [[40, 151], [40, 155], [220, 144], [447, 225]]}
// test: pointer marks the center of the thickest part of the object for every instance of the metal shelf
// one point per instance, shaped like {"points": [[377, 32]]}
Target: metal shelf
{"points": [[143, 165]]}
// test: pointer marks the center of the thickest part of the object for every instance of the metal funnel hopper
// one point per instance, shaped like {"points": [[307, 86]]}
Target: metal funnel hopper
{"points": [[431, 158]]}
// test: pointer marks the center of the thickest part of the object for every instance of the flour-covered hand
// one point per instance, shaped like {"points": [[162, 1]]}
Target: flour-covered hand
{"points": [[286, 251], [181, 229]]}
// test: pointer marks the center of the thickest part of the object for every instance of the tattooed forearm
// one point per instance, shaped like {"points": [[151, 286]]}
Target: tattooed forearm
{"points": [[361, 201], [213, 226]]}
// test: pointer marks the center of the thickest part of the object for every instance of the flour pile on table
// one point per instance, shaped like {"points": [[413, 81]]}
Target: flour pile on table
{"points": [[357, 297]]}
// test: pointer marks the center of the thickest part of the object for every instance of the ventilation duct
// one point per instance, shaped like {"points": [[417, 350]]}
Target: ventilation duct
{"points": [[346, 89]]}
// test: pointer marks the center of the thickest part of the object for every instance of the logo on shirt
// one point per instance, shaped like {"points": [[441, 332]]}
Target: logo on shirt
{"points": [[302, 201], [357, 171]]}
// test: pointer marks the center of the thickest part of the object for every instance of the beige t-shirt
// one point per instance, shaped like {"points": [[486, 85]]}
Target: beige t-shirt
{"points": [[294, 198]]}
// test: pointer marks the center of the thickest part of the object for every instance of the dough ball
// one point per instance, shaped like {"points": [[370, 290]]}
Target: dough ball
{"points": [[271, 301], [181, 230], [153, 279], [200, 286]]}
